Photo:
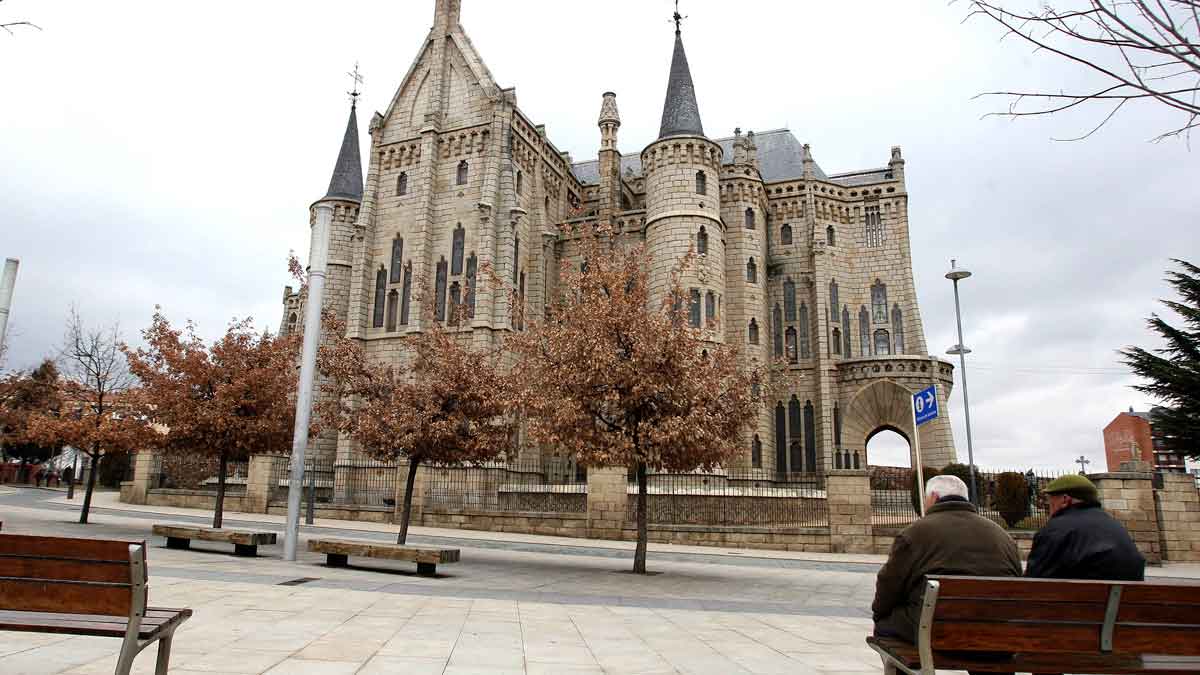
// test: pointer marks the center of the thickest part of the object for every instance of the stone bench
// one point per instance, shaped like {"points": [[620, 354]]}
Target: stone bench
{"points": [[245, 542], [338, 550]]}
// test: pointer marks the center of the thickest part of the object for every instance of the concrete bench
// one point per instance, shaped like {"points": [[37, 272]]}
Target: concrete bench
{"points": [[338, 550], [245, 542]]}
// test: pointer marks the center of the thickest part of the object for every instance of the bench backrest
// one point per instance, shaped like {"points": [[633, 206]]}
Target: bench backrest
{"points": [[72, 576], [1050, 615]]}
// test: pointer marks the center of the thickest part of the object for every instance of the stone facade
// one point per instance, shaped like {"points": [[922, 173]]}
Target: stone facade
{"points": [[809, 273], [1178, 504]]}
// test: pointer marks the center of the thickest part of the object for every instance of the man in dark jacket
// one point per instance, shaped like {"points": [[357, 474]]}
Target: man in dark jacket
{"points": [[952, 538], [1081, 540]]}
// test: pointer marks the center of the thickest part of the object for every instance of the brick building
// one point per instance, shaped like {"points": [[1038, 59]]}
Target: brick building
{"points": [[796, 264], [1131, 436]]}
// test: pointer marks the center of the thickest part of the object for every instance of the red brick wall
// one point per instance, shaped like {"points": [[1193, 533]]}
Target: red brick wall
{"points": [[1120, 433]]}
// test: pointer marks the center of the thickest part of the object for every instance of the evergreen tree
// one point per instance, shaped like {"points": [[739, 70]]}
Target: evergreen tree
{"points": [[1172, 372]]}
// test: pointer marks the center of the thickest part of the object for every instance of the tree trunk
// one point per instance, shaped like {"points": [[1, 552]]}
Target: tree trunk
{"points": [[219, 507], [639, 554], [406, 514], [91, 487]]}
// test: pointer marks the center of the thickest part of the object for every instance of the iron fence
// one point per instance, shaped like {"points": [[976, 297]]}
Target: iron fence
{"points": [[359, 483], [733, 497], [542, 484], [194, 471], [1015, 500]]}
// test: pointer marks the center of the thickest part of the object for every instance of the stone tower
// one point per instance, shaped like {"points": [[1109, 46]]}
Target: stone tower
{"points": [[683, 206]]}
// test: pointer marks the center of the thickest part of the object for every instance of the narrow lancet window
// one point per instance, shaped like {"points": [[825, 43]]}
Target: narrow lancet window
{"points": [[777, 326], [439, 291], [406, 295], [805, 332], [789, 299], [380, 297], [752, 332], [701, 183], [751, 271], [397, 267], [463, 171], [402, 184], [749, 219], [456, 250], [898, 328], [785, 234]]}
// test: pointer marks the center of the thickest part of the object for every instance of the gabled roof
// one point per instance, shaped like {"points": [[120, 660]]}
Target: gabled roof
{"points": [[347, 181]]}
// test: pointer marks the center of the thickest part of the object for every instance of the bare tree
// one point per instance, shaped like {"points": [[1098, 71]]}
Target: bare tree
{"points": [[1142, 51], [8, 26]]}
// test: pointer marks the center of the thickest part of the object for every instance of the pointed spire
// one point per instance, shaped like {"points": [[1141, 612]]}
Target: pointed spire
{"points": [[347, 181], [681, 115]]}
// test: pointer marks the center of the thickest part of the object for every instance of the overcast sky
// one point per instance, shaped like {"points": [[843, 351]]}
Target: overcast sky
{"points": [[167, 153]]}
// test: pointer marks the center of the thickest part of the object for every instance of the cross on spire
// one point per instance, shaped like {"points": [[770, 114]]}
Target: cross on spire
{"points": [[678, 18], [1083, 461], [356, 79]]}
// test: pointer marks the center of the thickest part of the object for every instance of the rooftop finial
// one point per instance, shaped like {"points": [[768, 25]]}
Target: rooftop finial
{"points": [[678, 18], [356, 80]]}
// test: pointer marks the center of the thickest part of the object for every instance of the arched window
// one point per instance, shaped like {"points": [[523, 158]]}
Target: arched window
{"points": [[837, 426], [406, 295], [756, 452], [833, 299], [402, 184], [830, 236], [521, 296], [701, 183], [516, 256], [846, 331], [780, 438], [749, 219], [777, 327], [397, 261], [380, 297], [805, 332], [789, 299], [795, 433], [472, 270], [710, 307], [702, 241], [785, 234], [392, 300], [874, 234], [751, 271], [879, 303], [790, 339], [751, 333], [864, 331], [463, 170], [455, 303], [810, 437], [547, 205], [694, 309], [439, 291], [520, 181], [898, 328], [456, 250], [291, 324], [835, 342], [883, 343]]}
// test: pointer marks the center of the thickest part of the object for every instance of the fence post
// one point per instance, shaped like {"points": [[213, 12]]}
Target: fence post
{"points": [[418, 498], [1129, 497], [607, 494], [848, 495], [1179, 517], [259, 475], [144, 473]]}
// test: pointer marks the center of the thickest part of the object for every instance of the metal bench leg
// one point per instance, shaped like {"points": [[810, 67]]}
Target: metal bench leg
{"points": [[176, 542], [247, 550], [129, 650], [427, 569], [164, 654]]}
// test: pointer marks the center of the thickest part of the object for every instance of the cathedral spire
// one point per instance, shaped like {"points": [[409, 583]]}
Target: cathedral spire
{"points": [[681, 115], [347, 181]]}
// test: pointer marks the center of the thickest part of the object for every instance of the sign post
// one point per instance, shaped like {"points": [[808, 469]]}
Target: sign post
{"points": [[924, 409]]}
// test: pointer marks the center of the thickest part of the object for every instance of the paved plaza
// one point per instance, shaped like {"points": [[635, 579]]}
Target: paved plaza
{"points": [[515, 604]]}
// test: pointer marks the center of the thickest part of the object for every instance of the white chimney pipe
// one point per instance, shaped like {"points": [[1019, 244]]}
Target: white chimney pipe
{"points": [[7, 284]]}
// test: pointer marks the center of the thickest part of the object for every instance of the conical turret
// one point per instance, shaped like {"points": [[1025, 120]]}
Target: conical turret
{"points": [[681, 114], [347, 180]]}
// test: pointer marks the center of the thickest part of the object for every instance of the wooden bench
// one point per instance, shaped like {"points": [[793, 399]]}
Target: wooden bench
{"points": [[1051, 626], [338, 550], [245, 542], [84, 587]]}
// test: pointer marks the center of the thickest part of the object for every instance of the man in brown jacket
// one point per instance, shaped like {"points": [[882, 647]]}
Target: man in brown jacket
{"points": [[952, 538]]}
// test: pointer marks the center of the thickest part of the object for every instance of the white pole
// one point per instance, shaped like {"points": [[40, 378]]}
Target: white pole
{"points": [[8, 284], [917, 457], [318, 257], [962, 372]]}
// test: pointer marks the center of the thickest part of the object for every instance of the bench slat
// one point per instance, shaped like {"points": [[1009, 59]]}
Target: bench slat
{"points": [[1047, 663], [387, 551], [156, 622], [77, 597], [64, 570], [1006, 609], [243, 537], [64, 547], [1043, 636]]}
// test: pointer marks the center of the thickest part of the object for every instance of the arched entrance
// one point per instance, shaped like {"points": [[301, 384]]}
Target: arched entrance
{"points": [[882, 406], [889, 446]]}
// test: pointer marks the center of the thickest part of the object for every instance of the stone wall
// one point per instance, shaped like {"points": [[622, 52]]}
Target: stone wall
{"points": [[192, 499], [1129, 497], [1178, 504]]}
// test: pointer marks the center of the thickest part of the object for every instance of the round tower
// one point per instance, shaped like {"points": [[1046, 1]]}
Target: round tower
{"points": [[683, 205]]}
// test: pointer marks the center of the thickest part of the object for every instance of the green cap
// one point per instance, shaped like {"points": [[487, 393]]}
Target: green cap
{"points": [[1074, 485]]}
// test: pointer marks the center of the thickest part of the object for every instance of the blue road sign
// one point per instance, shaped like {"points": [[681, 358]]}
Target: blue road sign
{"points": [[925, 406]]}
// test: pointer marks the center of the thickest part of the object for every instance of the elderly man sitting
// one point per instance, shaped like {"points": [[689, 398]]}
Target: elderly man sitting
{"points": [[952, 538], [1081, 541]]}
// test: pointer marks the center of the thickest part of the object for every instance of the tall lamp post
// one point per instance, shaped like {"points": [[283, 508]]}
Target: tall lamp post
{"points": [[955, 275]]}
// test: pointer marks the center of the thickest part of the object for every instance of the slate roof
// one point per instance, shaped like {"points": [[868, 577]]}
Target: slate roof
{"points": [[347, 181], [853, 178], [681, 114]]}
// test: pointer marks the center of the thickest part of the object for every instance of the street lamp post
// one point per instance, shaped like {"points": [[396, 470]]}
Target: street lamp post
{"points": [[955, 275]]}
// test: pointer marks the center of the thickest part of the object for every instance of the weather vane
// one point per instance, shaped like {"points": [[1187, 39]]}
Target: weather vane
{"points": [[357, 80], [678, 17]]}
